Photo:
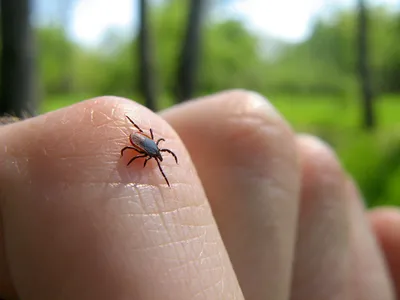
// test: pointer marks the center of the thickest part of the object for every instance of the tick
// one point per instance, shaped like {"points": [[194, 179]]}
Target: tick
{"points": [[147, 148]]}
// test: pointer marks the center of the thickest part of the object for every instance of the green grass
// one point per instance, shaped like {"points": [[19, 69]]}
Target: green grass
{"points": [[304, 112], [373, 159]]}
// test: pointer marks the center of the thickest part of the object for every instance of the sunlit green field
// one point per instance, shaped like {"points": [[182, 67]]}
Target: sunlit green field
{"points": [[372, 158]]}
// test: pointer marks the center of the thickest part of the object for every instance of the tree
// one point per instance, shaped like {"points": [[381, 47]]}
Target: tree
{"points": [[17, 95], [146, 60], [363, 68], [189, 58]]}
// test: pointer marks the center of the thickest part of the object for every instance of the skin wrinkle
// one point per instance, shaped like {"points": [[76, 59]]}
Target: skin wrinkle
{"points": [[209, 286], [172, 244], [201, 289], [183, 240], [157, 198], [150, 209], [165, 212], [167, 227], [164, 223], [193, 265]]}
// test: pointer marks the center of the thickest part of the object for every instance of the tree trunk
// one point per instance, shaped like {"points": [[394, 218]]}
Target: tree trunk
{"points": [[363, 68], [17, 95], [190, 52], [146, 60]]}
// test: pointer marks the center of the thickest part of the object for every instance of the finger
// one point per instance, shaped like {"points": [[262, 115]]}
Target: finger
{"points": [[321, 265], [245, 155], [370, 279], [80, 224], [385, 222]]}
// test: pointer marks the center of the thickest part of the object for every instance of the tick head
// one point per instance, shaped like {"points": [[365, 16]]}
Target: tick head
{"points": [[160, 158]]}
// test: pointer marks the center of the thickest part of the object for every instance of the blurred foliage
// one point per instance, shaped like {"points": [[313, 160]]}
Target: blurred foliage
{"points": [[233, 57], [313, 83]]}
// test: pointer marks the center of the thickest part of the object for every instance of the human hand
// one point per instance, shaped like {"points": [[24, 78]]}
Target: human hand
{"points": [[254, 211]]}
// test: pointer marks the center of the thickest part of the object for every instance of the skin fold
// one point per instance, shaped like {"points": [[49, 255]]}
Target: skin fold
{"points": [[255, 210]]}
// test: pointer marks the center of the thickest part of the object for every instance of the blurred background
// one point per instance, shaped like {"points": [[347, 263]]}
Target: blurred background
{"points": [[332, 68]]}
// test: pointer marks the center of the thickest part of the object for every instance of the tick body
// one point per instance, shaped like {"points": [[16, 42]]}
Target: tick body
{"points": [[147, 148]]}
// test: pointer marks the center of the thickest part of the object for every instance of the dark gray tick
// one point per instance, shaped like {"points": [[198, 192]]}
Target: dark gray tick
{"points": [[147, 148]]}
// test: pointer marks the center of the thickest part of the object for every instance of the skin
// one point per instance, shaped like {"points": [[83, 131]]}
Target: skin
{"points": [[255, 210]]}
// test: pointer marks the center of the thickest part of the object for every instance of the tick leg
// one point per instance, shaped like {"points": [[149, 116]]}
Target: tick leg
{"points": [[147, 159], [134, 124], [159, 140], [132, 148], [152, 135], [125, 148], [170, 152], [162, 172], [137, 156]]}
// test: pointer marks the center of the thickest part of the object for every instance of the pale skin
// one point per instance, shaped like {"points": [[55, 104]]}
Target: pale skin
{"points": [[255, 210]]}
